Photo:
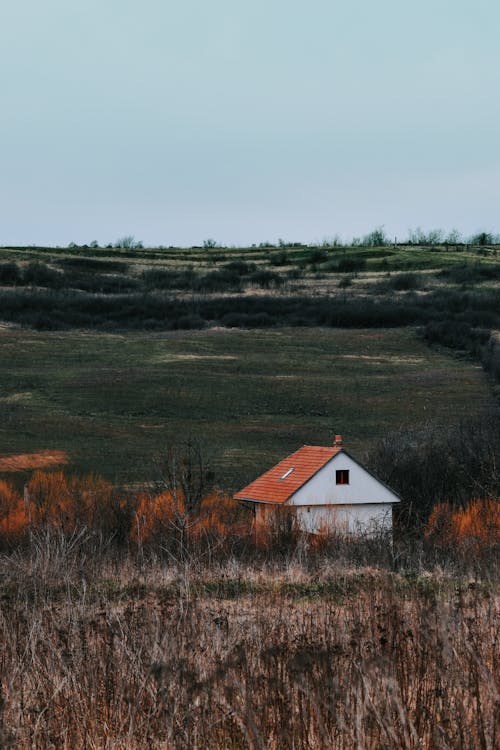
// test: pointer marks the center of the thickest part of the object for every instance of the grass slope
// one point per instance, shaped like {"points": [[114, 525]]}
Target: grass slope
{"points": [[400, 257], [112, 401]]}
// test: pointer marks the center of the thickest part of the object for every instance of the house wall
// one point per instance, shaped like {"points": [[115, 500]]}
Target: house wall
{"points": [[352, 519], [346, 519], [363, 489]]}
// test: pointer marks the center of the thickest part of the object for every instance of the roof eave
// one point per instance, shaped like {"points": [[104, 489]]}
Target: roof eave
{"points": [[264, 502]]}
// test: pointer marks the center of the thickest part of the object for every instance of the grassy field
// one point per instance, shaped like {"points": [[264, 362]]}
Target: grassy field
{"points": [[112, 401]]}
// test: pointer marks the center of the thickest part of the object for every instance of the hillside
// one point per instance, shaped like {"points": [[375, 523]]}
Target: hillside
{"points": [[99, 368], [171, 288]]}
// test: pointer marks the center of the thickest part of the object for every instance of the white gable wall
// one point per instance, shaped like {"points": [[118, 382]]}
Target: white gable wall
{"points": [[363, 488]]}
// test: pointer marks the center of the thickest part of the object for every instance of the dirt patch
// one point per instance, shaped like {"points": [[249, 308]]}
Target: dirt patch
{"points": [[40, 460], [189, 357], [384, 359]]}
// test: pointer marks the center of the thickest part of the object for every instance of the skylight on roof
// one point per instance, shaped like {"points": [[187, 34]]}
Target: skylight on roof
{"points": [[287, 473]]}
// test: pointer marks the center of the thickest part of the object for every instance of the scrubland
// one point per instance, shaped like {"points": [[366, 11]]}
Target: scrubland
{"points": [[170, 289]]}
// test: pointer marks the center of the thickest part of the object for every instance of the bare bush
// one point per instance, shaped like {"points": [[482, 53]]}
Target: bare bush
{"points": [[435, 464]]}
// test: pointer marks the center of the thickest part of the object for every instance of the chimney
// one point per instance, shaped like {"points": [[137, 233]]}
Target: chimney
{"points": [[338, 441]]}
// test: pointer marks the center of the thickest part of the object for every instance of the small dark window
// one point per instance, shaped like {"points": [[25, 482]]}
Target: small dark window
{"points": [[342, 476]]}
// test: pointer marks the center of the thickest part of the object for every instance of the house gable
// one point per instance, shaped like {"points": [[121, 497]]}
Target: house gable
{"points": [[322, 488]]}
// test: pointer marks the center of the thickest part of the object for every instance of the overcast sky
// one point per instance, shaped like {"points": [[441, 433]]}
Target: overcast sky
{"points": [[247, 121]]}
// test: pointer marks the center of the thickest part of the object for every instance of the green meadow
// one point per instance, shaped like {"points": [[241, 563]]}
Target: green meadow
{"points": [[113, 401]]}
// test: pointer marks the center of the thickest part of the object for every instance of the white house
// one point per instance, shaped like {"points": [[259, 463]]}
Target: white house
{"points": [[327, 489]]}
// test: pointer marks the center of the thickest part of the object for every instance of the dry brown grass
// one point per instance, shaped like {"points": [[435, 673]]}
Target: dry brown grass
{"points": [[43, 459], [113, 652]]}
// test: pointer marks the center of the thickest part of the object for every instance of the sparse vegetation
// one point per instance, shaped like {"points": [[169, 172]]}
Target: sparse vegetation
{"points": [[114, 303], [279, 258], [404, 282], [128, 242], [439, 465], [376, 238], [10, 274], [482, 238], [457, 335], [471, 273]]}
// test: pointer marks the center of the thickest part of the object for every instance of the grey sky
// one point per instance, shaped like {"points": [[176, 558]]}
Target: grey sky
{"points": [[247, 121]]}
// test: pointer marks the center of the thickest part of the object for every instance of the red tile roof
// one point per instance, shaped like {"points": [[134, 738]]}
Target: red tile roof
{"points": [[271, 488]]}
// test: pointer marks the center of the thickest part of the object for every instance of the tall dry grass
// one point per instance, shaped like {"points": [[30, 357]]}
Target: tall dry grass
{"points": [[110, 651]]}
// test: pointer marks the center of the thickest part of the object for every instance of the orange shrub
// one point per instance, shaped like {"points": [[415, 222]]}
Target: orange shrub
{"points": [[96, 504], [153, 515], [53, 499], [68, 502], [219, 516], [222, 516], [478, 522], [14, 515], [50, 500]]}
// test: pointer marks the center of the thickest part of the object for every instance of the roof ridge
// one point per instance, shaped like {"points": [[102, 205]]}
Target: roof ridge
{"points": [[326, 447]]}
